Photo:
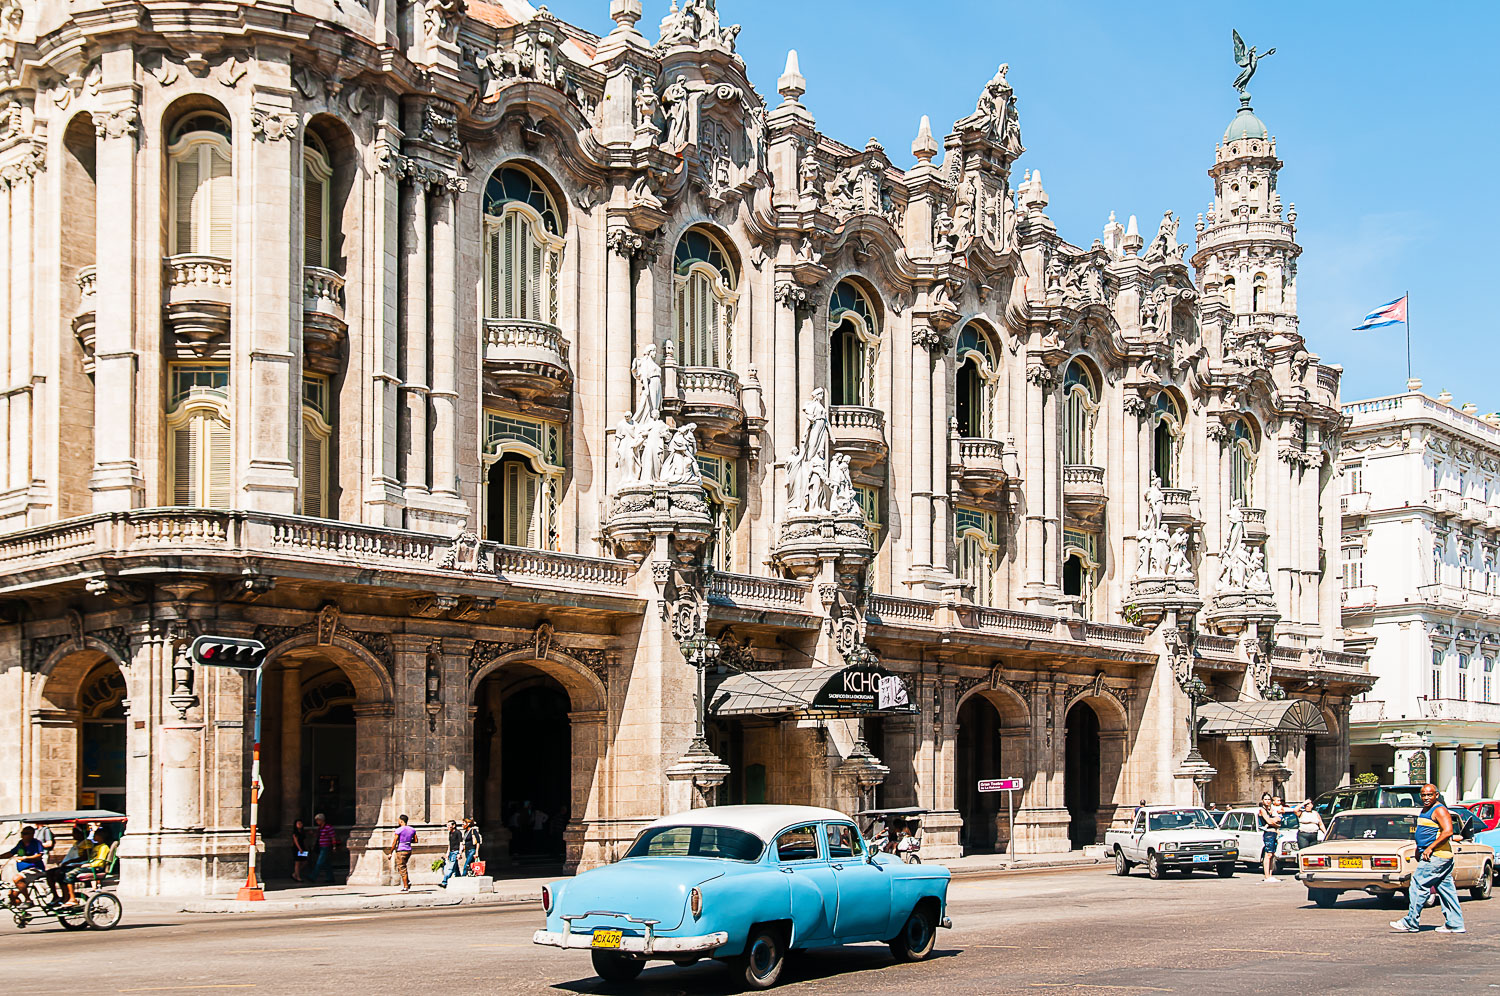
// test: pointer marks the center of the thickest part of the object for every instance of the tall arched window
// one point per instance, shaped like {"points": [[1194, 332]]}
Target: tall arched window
{"points": [[1242, 463], [1166, 438], [522, 480], [199, 443], [1258, 293], [1229, 293], [515, 496], [317, 177], [523, 247], [703, 301], [854, 345], [1080, 570], [1081, 406], [977, 382], [976, 552], [200, 219], [316, 432]]}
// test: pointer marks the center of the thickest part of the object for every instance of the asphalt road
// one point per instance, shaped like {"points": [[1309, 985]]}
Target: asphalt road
{"points": [[1075, 931]]}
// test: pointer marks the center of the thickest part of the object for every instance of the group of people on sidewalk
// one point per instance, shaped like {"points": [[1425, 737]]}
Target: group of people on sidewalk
{"points": [[323, 840], [464, 841], [1274, 816]]}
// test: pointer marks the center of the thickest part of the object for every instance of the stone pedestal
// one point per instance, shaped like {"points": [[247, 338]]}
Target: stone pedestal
{"points": [[1041, 831], [807, 540], [639, 513], [1234, 612], [694, 780], [940, 833], [1196, 773], [470, 885], [1152, 598]]}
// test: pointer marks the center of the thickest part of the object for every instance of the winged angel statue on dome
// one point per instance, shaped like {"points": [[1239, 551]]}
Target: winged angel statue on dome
{"points": [[1247, 60]]}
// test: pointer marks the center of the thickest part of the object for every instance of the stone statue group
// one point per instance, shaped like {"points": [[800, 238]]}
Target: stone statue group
{"points": [[818, 483], [647, 450], [1162, 554], [1241, 567]]}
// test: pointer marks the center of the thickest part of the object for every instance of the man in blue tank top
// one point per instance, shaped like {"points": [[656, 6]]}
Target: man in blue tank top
{"points": [[1434, 833]]}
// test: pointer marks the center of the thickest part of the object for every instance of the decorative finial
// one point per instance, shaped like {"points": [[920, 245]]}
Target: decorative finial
{"points": [[1247, 60], [792, 85], [625, 13], [925, 146], [1131, 228]]}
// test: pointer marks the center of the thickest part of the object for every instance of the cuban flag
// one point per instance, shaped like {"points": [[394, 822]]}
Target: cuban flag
{"points": [[1393, 313]]}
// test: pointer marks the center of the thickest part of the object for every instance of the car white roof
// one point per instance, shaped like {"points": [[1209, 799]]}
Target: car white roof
{"points": [[763, 821]]}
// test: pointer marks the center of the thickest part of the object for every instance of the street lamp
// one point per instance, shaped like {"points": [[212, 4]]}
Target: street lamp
{"points": [[1197, 692], [701, 652]]}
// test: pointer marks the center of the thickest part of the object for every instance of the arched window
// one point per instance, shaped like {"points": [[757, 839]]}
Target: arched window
{"points": [[720, 478], [977, 381], [1229, 293], [523, 247], [317, 176], [976, 552], [200, 184], [1166, 438], [854, 345], [1258, 293], [199, 443], [522, 480], [1080, 571], [316, 432], [515, 493], [703, 301], [1242, 463], [1081, 407]]}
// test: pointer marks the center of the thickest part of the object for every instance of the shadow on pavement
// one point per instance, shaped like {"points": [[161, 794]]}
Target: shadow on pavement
{"points": [[712, 978]]}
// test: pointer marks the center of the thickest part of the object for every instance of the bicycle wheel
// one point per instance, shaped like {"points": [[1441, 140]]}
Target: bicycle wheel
{"points": [[103, 910]]}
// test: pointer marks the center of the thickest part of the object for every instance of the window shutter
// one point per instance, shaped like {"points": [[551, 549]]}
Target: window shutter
{"points": [[220, 470], [314, 463], [186, 178], [220, 204], [534, 277], [184, 462], [679, 318], [314, 224], [510, 300], [529, 535], [494, 272], [512, 503]]}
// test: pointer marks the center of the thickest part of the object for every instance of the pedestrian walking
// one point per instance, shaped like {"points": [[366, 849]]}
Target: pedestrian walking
{"points": [[327, 841], [1268, 822], [473, 841], [1433, 831], [401, 845], [1310, 827], [299, 851], [455, 853]]}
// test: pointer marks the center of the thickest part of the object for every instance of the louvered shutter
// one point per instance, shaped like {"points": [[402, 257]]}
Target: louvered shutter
{"points": [[494, 271], [680, 316], [510, 275], [184, 461], [314, 224], [220, 204], [534, 277], [314, 462], [218, 481], [186, 178], [512, 494], [530, 485]]}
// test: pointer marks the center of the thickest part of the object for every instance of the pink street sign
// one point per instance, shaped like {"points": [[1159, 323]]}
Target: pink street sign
{"points": [[1000, 784]]}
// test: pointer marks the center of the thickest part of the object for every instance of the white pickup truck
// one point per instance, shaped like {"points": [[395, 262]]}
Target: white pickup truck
{"points": [[1181, 837]]}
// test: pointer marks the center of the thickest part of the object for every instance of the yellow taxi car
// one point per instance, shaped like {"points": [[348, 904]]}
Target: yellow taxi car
{"points": [[1372, 850]]}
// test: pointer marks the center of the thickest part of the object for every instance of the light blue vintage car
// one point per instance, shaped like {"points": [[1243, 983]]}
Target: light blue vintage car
{"points": [[745, 884]]}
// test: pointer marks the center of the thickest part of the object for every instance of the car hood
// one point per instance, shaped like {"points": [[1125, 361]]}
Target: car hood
{"points": [[643, 888], [1190, 835]]}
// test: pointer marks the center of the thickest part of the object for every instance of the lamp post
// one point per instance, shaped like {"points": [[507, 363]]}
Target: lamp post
{"points": [[702, 652], [1197, 692]]}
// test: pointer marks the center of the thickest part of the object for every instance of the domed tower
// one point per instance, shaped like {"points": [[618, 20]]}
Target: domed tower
{"points": [[1247, 249]]}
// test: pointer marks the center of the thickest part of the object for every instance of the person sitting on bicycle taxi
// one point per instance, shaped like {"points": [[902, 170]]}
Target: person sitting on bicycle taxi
{"points": [[79, 857], [30, 866]]}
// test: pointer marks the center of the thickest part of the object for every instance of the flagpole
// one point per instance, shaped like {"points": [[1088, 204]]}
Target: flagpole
{"points": [[1407, 323]]}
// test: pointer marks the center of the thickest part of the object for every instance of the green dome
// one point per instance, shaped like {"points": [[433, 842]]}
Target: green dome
{"points": [[1245, 125]]}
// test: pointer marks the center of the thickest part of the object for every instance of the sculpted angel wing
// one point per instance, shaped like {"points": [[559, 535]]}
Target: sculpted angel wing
{"points": [[1241, 55]]}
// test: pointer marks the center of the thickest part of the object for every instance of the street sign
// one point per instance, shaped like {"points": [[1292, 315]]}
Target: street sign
{"points": [[1001, 784]]}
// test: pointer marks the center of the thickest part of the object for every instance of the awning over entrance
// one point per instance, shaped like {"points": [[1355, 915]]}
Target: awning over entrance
{"points": [[1283, 716], [827, 691]]}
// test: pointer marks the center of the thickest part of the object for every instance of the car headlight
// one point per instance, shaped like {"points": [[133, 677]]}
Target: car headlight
{"points": [[695, 902], [1230, 844], [1168, 848]]}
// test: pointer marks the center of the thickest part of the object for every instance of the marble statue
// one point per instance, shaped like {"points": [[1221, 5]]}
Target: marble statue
{"points": [[843, 499], [647, 374], [681, 464], [676, 101], [1178, 565], [1155, 499], [812, 472], [1248, 62]]}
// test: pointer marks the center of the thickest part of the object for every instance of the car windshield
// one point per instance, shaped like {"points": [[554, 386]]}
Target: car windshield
{"points": [[697, 842], [1181, 819], [1370, 826]]}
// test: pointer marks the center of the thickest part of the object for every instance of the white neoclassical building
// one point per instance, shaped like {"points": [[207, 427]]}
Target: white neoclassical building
{"points": [[1421, 592], [524, 390]]}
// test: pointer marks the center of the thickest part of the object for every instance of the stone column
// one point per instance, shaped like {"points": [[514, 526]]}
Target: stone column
{"points": [[18, 387], [412, 451], [1445, 770], [444, 343], [588, 734], [1051, 484], [290, 775], [55, 734], [937, 410], [378, 797], [920, 459], [618, 335], [1038, 379], [1492, 772], [1473, 775], [382, 244]]}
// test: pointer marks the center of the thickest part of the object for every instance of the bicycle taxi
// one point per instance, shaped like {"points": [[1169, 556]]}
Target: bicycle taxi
{"points": [[96, 905], [896, 831]]}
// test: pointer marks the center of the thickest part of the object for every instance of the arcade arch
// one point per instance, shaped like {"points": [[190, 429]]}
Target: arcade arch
{"points": [[993, 726]]}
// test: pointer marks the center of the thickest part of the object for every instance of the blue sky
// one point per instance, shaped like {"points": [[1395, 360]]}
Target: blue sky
{"points": [[1379, 111]]}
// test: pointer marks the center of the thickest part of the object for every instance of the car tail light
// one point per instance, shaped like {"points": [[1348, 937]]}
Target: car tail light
{"points": [[1385, 862], [546, 900], [695, 903], [1314, 861]]}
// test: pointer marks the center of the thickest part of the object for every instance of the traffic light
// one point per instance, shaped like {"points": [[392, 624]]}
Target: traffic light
{"points": [[228, 651]]}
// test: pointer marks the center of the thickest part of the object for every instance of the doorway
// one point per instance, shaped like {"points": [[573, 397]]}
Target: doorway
{"points": [[523, 762], [1081, 776]]}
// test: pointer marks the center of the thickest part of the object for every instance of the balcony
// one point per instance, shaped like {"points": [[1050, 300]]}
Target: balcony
{"points": [[1255, 524], [983, 466], [1083, 489], [1444, 502], [526, 358], [859, 432], [1453, 598], [199, 293], [1473, 512], [1363, 596], [85, 321], [706, 396], [1459, 711], [323, 326], [1355, 504], [1178, 508]]}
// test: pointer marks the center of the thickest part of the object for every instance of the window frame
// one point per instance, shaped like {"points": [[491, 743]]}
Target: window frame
{"points": [[203, 144], [1080, 415], [315, 160], [205, 405], [721, 283]]}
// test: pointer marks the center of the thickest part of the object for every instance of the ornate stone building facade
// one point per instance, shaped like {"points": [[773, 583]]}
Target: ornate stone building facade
{"points": [[523, 389]]}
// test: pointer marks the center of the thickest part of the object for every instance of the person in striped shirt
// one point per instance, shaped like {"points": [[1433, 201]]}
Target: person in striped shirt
{"points": [[327, 841], [1433, 830]]}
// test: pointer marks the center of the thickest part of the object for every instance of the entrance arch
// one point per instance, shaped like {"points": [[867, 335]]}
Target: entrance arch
{"points": [[1094, 757], [993, 726], [78, 724]]}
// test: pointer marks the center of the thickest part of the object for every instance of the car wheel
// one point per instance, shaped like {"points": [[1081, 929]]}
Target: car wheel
{"points": [[1226, 870], [103, 910], [1153, 865], [917, 937], [613, 967], [1484, 886], [1323, 897], [1122, 867], [764, 956]]}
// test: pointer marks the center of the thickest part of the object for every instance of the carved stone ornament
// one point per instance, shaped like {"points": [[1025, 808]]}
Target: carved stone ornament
{"points": [[1134, 404], [463, 554], [927, 337], [1041, 375], [328, 624], [272, 126], [117, 123], [441, 19], [793, 296], [1216, 430]]}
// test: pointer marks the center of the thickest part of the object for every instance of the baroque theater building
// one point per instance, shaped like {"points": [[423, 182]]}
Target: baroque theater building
{"points": [[585, 432]]}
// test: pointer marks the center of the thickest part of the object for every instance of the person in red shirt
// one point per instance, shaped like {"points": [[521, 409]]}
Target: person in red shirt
{"points": [[327, 841]]}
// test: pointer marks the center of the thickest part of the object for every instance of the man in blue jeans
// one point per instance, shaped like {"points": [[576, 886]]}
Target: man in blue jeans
{"points": [[1434, 834], [455, 854]]}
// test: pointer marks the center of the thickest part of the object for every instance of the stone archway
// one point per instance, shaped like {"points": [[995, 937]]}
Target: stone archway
{"points": [[78, 731], [992, 742], [1095, 727]]}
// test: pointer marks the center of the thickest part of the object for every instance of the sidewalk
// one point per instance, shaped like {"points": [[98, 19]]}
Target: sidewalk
{"points": [[507, 891]]}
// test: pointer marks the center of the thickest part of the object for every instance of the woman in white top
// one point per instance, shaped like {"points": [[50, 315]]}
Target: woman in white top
{"points": [[1310, 827]]}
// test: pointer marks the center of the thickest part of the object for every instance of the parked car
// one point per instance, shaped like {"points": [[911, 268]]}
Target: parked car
{"points": [[1330, 804], [745, 884], [1181, 837], [1488, 811], [1241, 824], [1374, 851]]}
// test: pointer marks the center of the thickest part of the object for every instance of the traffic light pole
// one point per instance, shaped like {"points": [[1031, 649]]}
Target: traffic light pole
{"points": [[251, 890]]}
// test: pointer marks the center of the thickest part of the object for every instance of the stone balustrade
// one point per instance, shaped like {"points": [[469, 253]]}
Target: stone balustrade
{"points": [[87, 279], [859, 432], [1363, 596], [895, 611], [760, 592], [1083, 488], [323, 293], [706, 396], [1355, 503], [85, 321], [528, 357], [1255, 524], [515, 563], [199, 294]]}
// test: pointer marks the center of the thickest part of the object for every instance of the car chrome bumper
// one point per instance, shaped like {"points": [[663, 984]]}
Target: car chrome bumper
{"points": [[1374, 881], [947, 922], [648, 946], [1188, 858]]}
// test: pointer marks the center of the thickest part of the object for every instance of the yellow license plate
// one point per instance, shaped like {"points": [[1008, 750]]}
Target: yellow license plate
{"points": [[1351, 862], [607, 938]]}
